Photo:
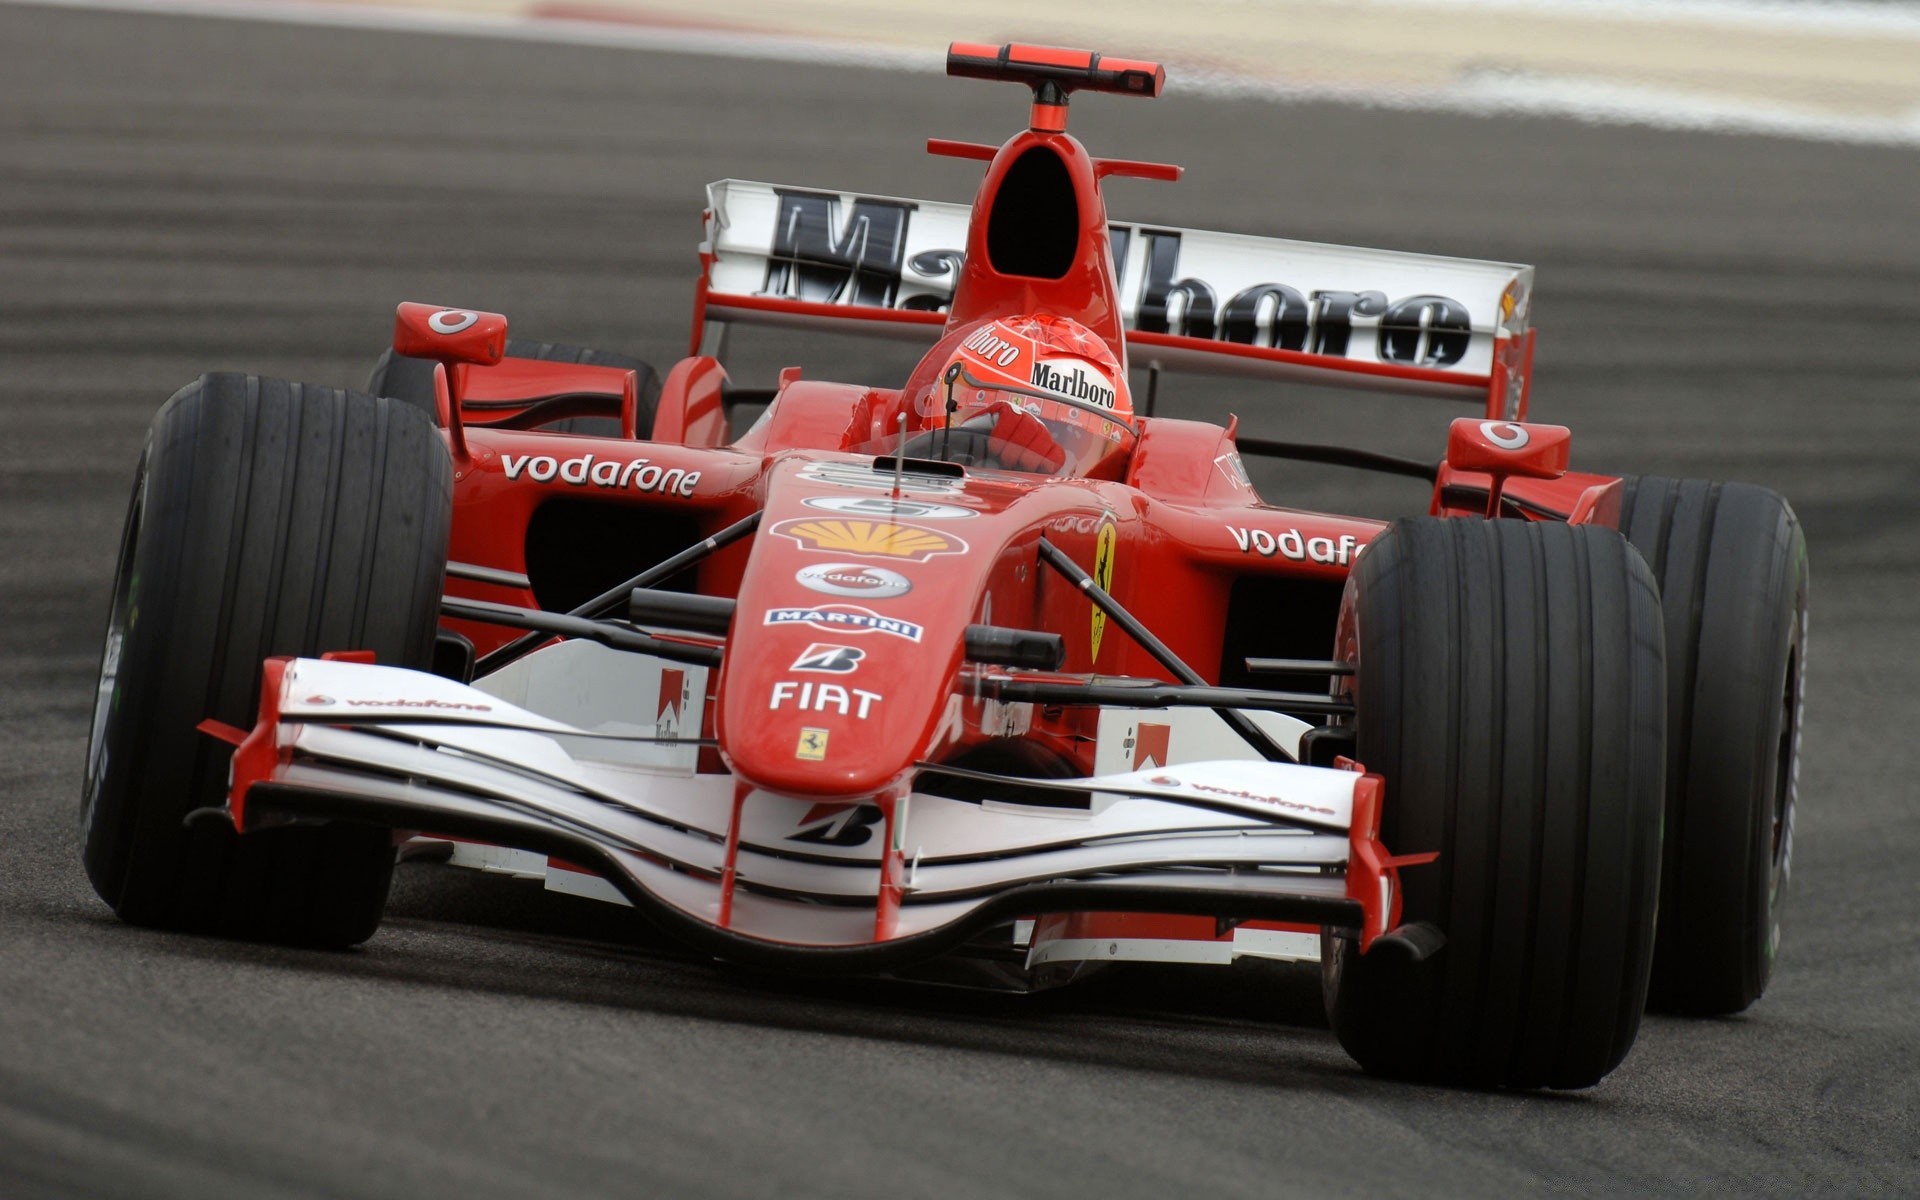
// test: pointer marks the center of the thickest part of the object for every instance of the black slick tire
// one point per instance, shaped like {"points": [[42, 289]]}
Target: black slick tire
{"points": [[411, 380], [1509, 689], [1731, 561], [267, 518]]}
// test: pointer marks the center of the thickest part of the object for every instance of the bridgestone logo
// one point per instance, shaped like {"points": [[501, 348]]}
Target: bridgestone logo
{"points": [[640, 474], [1078, 385]]}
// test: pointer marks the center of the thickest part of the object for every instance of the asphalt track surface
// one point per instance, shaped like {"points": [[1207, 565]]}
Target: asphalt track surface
{"points": [[178, 195]]}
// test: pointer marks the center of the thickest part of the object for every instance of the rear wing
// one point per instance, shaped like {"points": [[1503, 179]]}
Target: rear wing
{"points": [[1192, 300]]}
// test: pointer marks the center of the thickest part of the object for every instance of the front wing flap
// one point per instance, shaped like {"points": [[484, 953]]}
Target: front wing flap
{"points": [[855, 884]]}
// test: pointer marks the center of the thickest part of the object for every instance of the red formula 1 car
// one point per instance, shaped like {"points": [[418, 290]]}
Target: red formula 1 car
{"points": [[991, 673]]}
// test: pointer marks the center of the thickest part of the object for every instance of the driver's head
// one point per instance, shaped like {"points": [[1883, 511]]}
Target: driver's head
{"points": [[1028, 362]]}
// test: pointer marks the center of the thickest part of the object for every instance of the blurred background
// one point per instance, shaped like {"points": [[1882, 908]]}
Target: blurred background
{"points": [[1722, 202]]}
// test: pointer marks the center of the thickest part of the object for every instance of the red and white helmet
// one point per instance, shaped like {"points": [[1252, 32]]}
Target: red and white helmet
{"points": [[1048, 367]]}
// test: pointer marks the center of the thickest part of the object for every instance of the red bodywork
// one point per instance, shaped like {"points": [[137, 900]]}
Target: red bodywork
{"points": [[1169, 539]]}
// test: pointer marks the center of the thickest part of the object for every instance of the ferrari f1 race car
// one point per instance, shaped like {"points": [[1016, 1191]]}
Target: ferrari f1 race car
{"points": [[988, 675]]}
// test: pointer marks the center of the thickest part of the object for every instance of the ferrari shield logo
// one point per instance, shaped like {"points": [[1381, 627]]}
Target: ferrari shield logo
{"points": [[1102, 575], [813, 745], [886, 539]]}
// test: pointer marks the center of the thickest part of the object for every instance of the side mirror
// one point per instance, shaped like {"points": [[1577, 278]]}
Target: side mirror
{"points": [[1508, 448], [1504, 449], [449, 335]]}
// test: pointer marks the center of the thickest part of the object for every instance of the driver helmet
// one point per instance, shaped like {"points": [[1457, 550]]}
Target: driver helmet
{"points": [[1051, 367]]}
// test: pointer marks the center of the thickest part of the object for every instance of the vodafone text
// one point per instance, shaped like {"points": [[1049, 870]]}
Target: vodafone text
{"points": [[640, 474], [1292, 544]]}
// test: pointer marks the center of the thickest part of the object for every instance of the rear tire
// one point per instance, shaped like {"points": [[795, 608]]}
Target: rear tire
{"points": [[1509, 689], [267, 518], [411, 380], [1731, 562]]}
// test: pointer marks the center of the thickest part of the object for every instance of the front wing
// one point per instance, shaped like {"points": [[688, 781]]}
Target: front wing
{"points": [[758, 877]]}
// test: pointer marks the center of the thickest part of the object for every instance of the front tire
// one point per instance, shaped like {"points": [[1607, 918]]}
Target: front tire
{"points": [[1731, 561], [267, 518], [1509, 689]]}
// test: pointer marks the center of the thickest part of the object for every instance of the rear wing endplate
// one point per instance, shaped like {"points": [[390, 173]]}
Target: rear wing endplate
{"points": [[1192, 300]]}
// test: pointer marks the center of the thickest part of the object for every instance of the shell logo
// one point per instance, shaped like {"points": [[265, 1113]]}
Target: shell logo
{"points": [[887, 539]]}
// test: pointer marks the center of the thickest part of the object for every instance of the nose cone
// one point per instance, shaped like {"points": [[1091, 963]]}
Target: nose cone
{"points": [[850, 626]]}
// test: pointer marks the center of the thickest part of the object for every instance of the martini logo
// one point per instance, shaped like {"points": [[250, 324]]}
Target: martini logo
{"points": [[888, 509], [844, 618], [853, 579], [1102, 575], [1150, 746], [1077, 383], [886, 539]]}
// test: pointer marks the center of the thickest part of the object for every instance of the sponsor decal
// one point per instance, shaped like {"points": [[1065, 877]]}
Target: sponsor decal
{"points": [[452, 320], [639, 474], [1423, 330], [887, 539], [812, 745], [1233, 468], [994, 349], [852, 250], [1077, 383], [843, 825], [1086, 526], [1256, 797], [887, 508], [438, 705], [1103, 555], [1149, 745], [844, 618], [1237, 794], [829, 658], [819, 257], [861, 475], [1505, 434], [808, 696], [853, 579], [1296, 546], [672, 703], [319, 701]]}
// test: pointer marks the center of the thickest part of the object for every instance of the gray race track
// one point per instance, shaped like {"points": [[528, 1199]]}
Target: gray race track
{"points": [[178, 195]]}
